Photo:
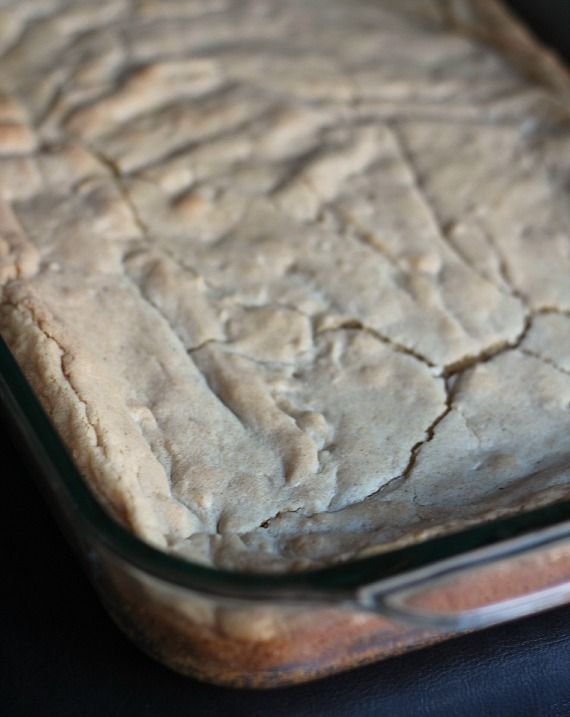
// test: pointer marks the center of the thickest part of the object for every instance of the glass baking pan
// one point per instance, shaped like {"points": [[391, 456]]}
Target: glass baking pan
{"points": [[259, 630]]}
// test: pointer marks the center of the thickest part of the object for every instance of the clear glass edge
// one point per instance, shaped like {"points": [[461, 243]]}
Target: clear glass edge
{"points": [[389, 596], [340, 583]]}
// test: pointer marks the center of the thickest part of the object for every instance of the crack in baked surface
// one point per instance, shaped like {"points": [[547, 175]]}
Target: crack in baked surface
{"points": [[289, 296]]}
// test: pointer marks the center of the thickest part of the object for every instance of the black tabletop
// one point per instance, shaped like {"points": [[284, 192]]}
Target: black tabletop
{"points": [[61, 655]]}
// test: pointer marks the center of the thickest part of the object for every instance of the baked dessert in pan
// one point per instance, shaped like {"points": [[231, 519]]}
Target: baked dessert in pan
{"points": [[292, 279]]}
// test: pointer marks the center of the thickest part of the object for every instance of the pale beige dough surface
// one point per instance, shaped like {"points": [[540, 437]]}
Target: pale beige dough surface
{"points": [[291, 278]]}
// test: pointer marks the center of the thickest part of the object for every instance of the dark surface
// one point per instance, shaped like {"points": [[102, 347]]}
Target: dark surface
{"points": [[549, 20], [61, 655]]}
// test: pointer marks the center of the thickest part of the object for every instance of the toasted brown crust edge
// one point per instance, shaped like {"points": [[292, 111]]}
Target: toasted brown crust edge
{"points": [[491, 22]]}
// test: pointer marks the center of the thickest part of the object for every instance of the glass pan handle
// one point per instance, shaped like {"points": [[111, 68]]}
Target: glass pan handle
{"points": [[484, 587]]}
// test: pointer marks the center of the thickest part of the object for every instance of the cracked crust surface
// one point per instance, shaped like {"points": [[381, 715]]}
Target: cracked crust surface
{"points": [[288, 293]]}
